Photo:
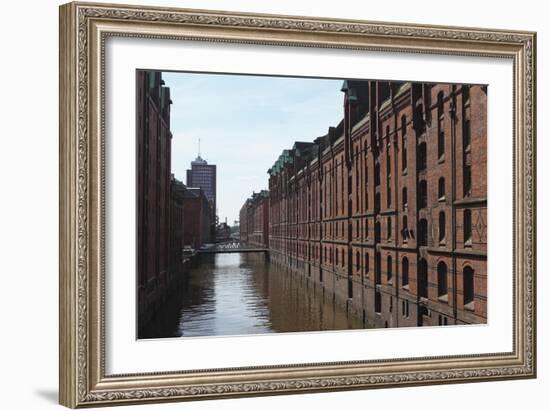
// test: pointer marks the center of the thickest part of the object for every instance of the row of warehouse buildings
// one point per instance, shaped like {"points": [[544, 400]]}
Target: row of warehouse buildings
{"points": [[387, 212]]}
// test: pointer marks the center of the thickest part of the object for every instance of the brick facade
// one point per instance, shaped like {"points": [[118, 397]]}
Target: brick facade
{"points": [[254, 220], [153, 150], [387, 212], [198, 218]]}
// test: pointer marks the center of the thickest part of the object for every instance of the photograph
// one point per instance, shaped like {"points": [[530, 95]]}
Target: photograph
{"points": [[259, 203], [274, 204]]}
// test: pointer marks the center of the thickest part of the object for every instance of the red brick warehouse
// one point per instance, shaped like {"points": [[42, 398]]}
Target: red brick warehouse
{"points": [[387, 212]]}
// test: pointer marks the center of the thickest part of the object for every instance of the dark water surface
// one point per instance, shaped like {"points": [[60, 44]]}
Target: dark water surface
{"points": [[236, 294]]}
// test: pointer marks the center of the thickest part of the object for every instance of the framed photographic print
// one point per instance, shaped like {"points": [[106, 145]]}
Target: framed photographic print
{"points": [[259, 204]]}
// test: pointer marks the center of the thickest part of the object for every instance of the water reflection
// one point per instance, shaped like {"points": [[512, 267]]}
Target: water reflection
{"points": [[235, 294]]}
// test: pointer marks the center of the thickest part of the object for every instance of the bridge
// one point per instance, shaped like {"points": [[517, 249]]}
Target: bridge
{"points": [[232, 247]]}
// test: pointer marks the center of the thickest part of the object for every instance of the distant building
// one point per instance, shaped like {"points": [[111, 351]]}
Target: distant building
{"points": [[223, 232], [254, 220], [203, 175], [177, 197], [197, 217]]}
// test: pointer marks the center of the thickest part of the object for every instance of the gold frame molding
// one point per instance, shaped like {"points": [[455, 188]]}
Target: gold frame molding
{"points": [[84, 27]]}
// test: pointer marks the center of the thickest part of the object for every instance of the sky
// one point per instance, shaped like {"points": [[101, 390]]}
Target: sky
{"points": [[244, 123]]}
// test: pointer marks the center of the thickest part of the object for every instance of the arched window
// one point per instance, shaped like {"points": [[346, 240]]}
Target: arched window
{"points": [[468, 280], [467, 228], [389, 268], [405, 271], [441, 279], [441, 226], [441, 188], [404, 197], [423, 232]]}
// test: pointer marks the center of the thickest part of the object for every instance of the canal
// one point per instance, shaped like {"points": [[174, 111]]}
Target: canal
{"points": [[242, 293]]}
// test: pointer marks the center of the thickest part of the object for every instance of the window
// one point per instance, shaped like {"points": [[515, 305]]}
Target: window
{"points": [[377, 264], [466, 95], [423, 194], [405, 271], [389, 268], [405, 228], [441, 280], [388, 226], [440, 127], [441, 189], [377, 302], [466, 138], [357, 261], [467, 180], [403, 143], [418, 119], [423, 232], [423, 278], [441, 142], [468, 280], [422, 157], [343, 262], [467, 228], [367, 263], [404, 197], [441, 227], [440, 104]]}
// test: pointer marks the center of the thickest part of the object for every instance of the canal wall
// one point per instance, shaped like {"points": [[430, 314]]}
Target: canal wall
{"points": [[331, 282], [366, 296], [153, 297]]}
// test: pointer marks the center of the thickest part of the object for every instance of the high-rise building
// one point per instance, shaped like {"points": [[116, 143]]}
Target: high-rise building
{"points": [[203, 175]]}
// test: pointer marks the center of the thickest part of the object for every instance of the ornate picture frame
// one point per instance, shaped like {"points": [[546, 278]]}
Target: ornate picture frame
{"points": [[84, 29]]}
